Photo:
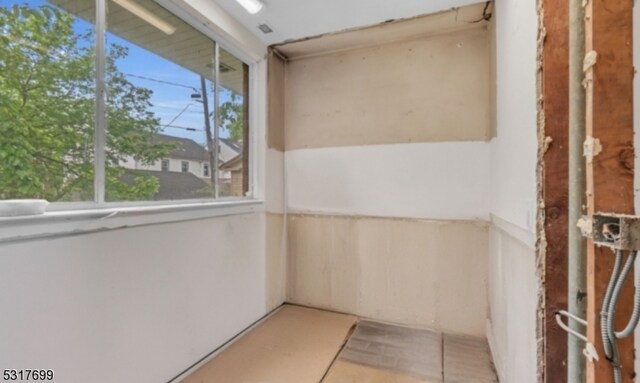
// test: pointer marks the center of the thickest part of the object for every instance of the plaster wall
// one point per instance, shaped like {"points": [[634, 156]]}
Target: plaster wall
{"points": [[512, 275], [387, 172], [138, 304]]}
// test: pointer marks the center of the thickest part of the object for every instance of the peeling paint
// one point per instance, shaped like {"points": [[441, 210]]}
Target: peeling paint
{"points": [[585, 224], [592, 148], [590, 60], [547, 142]]}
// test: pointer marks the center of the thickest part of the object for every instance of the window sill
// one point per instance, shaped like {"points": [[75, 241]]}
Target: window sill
{"points": [[75, 222]]}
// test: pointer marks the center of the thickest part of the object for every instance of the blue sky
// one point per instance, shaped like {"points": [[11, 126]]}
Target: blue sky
{"points": [[168, 100]]}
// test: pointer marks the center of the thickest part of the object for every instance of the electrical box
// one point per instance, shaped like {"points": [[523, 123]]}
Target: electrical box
{"points": [[618, 231]]}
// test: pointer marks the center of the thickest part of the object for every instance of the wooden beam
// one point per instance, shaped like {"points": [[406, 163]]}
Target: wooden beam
{"points": [[555, 183], [609, 92]]}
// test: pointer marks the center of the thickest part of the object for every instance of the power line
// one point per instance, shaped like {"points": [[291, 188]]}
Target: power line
{"points": [[179, 114], [162, 81], [183, 128]]}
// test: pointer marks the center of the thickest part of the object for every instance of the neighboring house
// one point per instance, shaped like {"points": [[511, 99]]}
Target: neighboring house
{"points": [[188, 157], [229, 149], [188, 163], [234, 166]]}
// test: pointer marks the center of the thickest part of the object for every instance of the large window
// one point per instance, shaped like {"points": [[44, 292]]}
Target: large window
{"points": [[172, 95]]}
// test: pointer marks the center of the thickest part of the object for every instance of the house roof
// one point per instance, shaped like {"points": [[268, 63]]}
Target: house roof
{"points": [[173, 185], [187, 148], [232, 144], [233, 164]]}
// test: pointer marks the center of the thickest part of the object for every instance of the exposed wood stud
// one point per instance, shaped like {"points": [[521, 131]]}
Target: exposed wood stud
{"points": [[553, 187], [609, 81]]}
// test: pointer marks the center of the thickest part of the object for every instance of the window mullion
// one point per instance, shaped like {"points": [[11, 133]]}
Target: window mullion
{"points": [[101, 104], [216, 112]]}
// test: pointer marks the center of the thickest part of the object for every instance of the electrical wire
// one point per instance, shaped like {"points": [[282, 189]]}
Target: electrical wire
{"points": [[635, 316], [178, 115], [604, 312], [608, 312], [162, 81], [183, 128]]}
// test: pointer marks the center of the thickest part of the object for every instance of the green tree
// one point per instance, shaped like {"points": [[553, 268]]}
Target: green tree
{"points": [[232, 116], [47, 112]]}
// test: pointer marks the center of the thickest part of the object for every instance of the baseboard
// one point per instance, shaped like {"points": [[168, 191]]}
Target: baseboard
{"points": [[204, 360]]}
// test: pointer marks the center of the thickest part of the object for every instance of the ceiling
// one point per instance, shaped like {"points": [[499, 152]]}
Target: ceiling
{"points": [[186, 47], [296, 19], [461, 19]]}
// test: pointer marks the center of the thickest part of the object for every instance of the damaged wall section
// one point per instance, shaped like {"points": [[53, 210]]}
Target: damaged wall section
{"points": [[416, 272], [387, 170]]}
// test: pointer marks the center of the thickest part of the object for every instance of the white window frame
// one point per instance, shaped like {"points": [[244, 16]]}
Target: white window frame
{"points": [[70, 218], [256, 120]]}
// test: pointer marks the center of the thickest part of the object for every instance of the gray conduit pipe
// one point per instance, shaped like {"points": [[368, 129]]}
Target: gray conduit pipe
{"points": [[604, 312], [576, 244], [611, 318], [608, 313], [635, 316]]}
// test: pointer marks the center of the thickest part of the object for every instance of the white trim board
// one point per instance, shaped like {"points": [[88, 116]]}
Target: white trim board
{"points": [[516, 232]]}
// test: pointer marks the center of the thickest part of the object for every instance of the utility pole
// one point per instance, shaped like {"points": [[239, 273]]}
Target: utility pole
{"points": [[210, 144]]}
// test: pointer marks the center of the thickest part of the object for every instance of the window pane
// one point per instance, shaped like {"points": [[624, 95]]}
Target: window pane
{"points": [[160, 72], [47, 99], [165, 165], [161, 105], [234, 126]]}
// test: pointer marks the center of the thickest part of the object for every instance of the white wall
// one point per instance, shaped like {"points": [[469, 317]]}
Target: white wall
{"points": [[512, 294], [275, 201], [418, 180], [514, 150], [137, 304], [141, 304], [512, 271]]}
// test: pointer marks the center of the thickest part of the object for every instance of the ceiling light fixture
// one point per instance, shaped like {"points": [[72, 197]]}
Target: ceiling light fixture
{"points": [[147, 16], [252, 6]]}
